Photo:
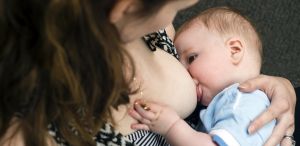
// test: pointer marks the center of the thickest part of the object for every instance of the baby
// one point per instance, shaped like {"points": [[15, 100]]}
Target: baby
{"points": [[220, 49]]}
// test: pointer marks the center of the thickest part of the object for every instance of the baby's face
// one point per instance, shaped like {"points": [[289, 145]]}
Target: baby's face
{"points": [[204, 55]]}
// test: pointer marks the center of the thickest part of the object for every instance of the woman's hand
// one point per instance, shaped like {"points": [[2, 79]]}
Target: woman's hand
{"points": [[283, 100], [153, 116]]}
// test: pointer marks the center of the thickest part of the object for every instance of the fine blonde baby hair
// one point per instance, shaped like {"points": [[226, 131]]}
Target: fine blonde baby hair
{"points": [[228, 22]]}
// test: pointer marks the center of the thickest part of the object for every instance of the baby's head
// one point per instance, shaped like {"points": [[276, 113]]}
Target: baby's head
{"points": [[219, 47]]}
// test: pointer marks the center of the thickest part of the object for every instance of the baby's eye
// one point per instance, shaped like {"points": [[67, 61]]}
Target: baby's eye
{"points": [[191, 58]]}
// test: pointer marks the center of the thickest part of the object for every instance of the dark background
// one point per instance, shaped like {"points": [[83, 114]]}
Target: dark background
{"points": [[278, 23]]}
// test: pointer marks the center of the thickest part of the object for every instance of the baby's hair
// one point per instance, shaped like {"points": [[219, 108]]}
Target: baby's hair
{"points": [[228, 21]]}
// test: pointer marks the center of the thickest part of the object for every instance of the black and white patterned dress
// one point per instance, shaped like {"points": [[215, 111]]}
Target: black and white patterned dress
{"points": [[160, 40], [107, 136]]}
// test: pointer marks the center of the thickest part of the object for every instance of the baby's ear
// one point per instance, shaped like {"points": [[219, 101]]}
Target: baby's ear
{"points": [[236, 49]]}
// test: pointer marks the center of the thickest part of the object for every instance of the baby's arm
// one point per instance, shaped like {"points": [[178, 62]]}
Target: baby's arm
{"points": [[165, 121]]}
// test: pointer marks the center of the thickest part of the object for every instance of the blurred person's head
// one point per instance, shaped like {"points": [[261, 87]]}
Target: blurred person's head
{"points": [[62, 61]]}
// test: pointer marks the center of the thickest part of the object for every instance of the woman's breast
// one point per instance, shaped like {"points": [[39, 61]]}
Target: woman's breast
{"points": [[163, 79]]}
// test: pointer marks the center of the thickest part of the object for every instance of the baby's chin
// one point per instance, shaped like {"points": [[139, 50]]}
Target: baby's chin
{"points": [[205, 103], [206, 100], [206, 94]]}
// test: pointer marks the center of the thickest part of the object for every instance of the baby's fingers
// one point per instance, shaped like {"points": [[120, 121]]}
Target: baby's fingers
{"points": [[147, 111], [144, 111], [138, 126], [138, 117]]}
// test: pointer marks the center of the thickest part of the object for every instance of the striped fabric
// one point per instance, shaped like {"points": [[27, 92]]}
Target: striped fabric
{"points": [[146, 138]]}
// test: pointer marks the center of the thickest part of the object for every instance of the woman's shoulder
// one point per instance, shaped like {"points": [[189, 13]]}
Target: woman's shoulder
{"points": [[13, 136]]}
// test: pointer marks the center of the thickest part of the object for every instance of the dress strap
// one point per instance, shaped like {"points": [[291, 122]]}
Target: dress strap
{"points": [[161, 40]]}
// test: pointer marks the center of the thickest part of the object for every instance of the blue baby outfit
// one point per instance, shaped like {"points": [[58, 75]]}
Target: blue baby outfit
{"points": [[229, 114]]}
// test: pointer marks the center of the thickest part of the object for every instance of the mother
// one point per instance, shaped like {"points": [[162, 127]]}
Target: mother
{"points": [[68, 67]]}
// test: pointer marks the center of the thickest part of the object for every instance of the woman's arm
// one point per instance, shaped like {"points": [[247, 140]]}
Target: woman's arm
{"points": [[282, 108]]}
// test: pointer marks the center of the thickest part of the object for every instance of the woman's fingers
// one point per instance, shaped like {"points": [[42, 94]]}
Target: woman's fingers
{"points": [[283, 99], [287, 142], [278, 133], [288, 139], [282, 133], [259, 82], [270, 114]]}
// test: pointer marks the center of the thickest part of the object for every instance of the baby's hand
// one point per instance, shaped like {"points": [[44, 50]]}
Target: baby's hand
{"points": [[153, 116]]}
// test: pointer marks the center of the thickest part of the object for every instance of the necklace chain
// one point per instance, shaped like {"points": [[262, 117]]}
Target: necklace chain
{"points": [[135, 82]]}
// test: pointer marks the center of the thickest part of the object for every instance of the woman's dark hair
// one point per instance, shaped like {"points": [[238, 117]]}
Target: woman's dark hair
{"points": [[61, 61]]}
